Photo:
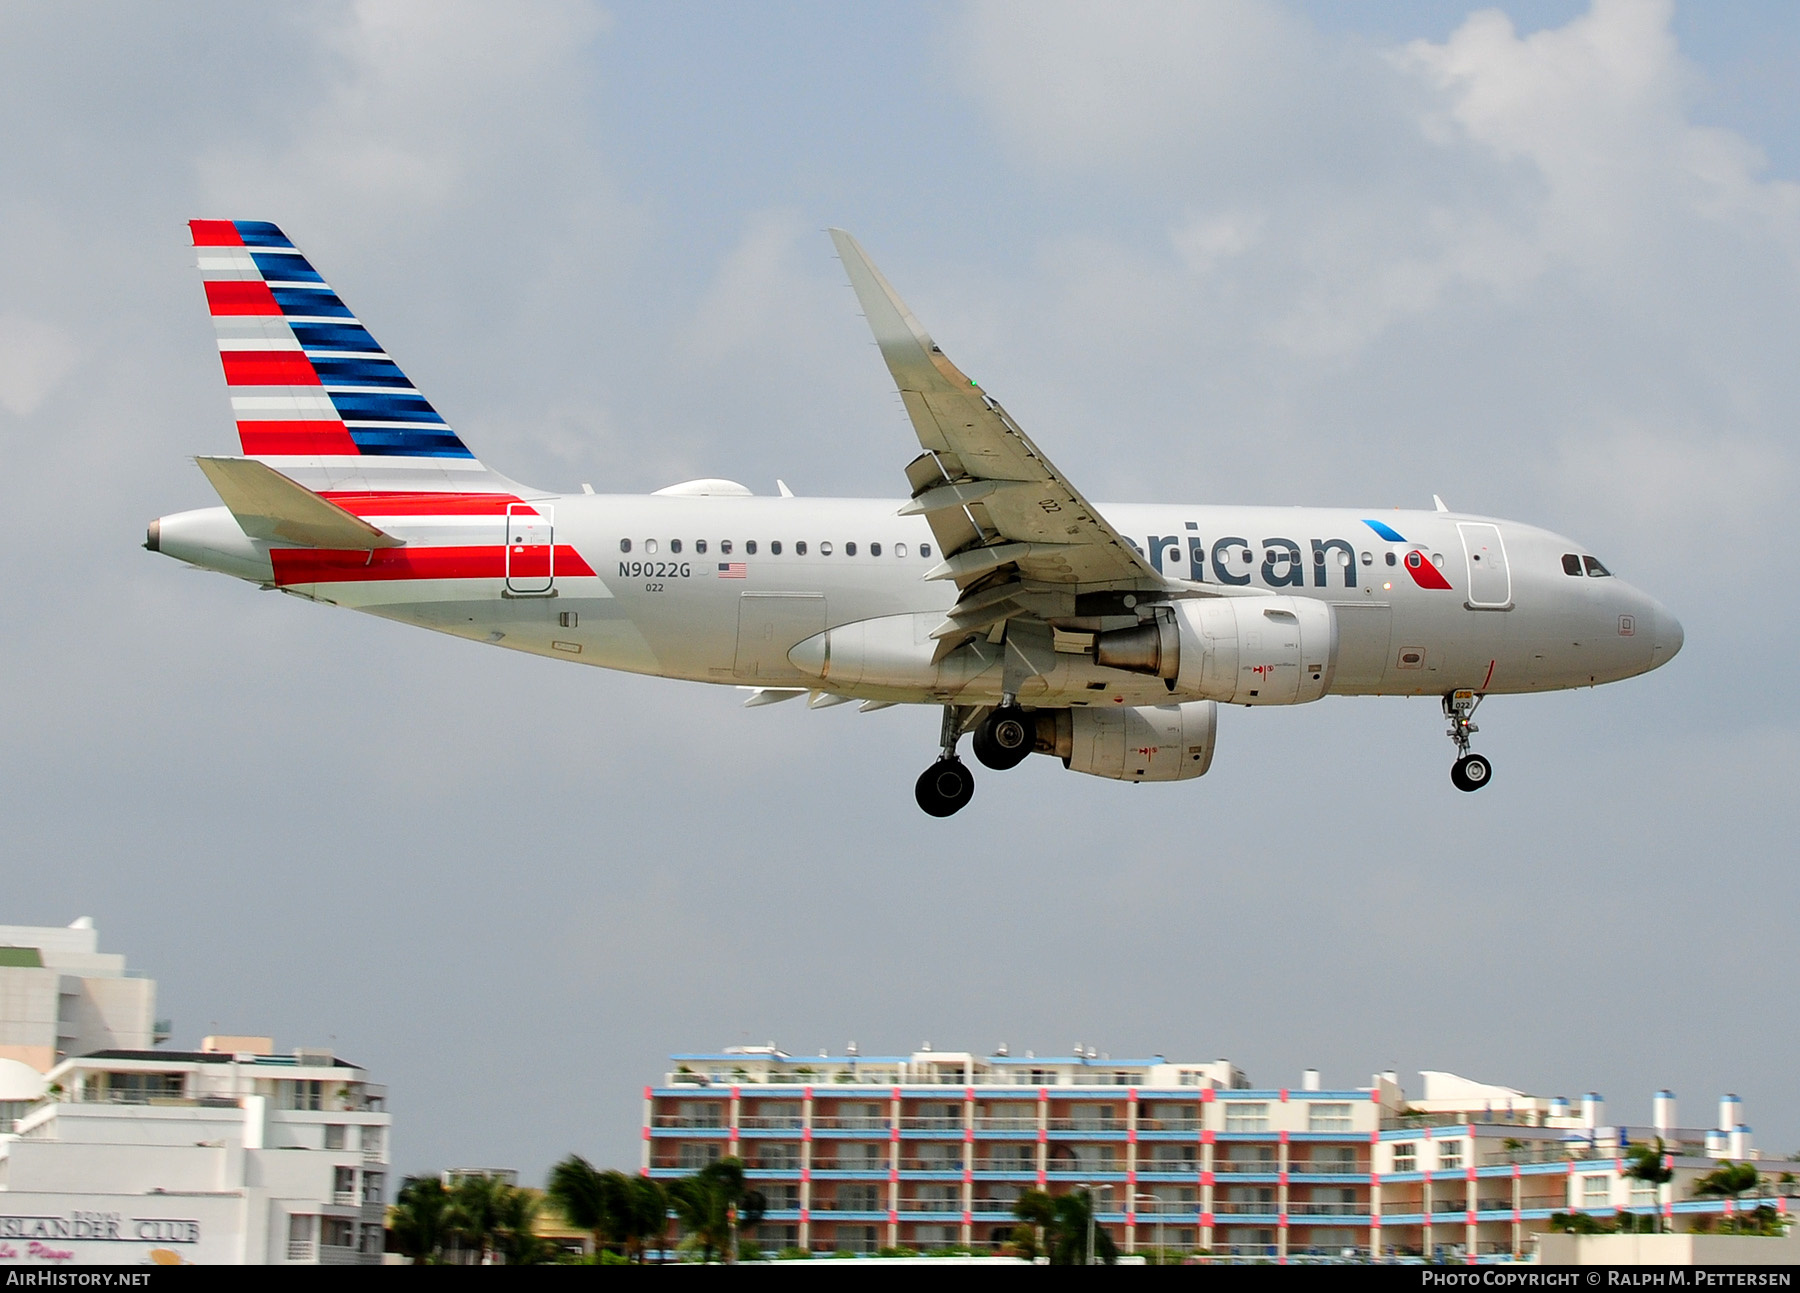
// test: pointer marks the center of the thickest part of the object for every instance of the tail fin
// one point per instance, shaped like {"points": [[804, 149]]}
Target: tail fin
{"points": [[311, 390]]}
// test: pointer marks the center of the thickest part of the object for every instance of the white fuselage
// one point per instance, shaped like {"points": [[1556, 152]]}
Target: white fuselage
{"points": [[1518, 623]]}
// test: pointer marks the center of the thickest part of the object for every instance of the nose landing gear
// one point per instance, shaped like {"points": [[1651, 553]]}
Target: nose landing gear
{"points": [[1470, 771], [946, 787]]}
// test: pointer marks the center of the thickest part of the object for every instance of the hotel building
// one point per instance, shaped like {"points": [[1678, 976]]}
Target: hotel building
{"points": [[931, 1150]]}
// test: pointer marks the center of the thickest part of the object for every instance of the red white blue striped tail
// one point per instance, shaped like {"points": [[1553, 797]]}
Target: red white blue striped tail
{"points": [[313, 394]]}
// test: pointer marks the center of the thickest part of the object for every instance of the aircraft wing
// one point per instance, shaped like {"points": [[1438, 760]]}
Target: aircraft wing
{"points": [[990, 495]]}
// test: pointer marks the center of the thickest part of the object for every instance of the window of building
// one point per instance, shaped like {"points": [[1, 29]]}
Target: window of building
{"points": [[371, 1240], [334, 1136], [1246, 1116], [1173, 1158], [1643, 1194], [10, 1113], [1449, 1155], [1328, 1117], [372, 1183], [696, 1154], [343, 1184], [861, 1198], [337, 1232], [371, 1142], [300, 1238], [777, 1156], [1596, 1191], [779, 1198], [1406, 1157], [304, 1093]]}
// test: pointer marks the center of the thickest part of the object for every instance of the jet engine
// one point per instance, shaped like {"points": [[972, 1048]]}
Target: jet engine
{"points": [[1243, 650], [1135, 743]]}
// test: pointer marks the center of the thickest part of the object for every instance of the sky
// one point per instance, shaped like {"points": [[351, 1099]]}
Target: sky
{"points": [[1543, 260]]}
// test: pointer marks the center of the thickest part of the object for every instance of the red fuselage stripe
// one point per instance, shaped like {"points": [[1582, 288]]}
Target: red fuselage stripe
{"points": [[331, 566], [420, 503]]}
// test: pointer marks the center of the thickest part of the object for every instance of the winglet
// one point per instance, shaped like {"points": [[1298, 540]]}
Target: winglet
{"points": [[912, 357], [267, 505], [1439, 503]]}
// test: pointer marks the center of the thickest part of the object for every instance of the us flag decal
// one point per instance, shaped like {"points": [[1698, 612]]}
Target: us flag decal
{"points": [[731, 570]]}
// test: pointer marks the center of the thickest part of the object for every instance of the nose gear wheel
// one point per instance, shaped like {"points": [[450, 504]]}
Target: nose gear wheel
{"points": [[1470, 771]]}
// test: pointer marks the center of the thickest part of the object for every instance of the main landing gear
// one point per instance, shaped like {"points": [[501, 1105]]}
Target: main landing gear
{"points": [[1002, 740], [1470, 771]]}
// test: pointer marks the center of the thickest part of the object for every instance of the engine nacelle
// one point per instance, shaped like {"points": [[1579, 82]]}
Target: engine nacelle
{"points": [[1242, 650], [1134, 743]]}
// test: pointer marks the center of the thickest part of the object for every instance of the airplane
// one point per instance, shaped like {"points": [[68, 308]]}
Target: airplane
{"points": [[1103, 635]]}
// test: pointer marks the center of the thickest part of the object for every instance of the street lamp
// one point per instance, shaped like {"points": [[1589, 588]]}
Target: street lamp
{"points": [[1088, 1187]]}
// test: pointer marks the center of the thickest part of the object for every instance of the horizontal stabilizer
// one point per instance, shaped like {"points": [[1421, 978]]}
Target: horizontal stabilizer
{"points": [[267, 505]]}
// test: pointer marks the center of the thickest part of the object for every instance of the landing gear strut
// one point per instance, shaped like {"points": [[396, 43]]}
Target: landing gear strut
{"points": [[946, 786], [1470, 771]]}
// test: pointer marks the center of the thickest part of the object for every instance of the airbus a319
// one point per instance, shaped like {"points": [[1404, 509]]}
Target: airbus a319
{"points": [[1104, 635]]}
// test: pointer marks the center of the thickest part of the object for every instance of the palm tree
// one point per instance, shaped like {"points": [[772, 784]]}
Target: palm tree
{"points": [[586, 1198], [646, 1213], [419, 1219], [1728, 1180], [1063, 1219], [713, 1202], [1650, 1164], [485, 1214]]}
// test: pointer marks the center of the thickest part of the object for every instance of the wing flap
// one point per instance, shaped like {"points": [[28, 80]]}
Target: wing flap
{"points": [[268, 505]]}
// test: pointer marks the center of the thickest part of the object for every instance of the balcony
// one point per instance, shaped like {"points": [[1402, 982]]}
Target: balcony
{"points": [[931, 1205], [300, 1250], [1328, 1169], [1246, 1167], [776, 1122], [850, 1124], [1328, 1209], [992, 1123], [1247, 1208], [931, 1124], [933, 1165], [1188, 1125], [1087, 1124], [688, 1122], [863, 1166]]}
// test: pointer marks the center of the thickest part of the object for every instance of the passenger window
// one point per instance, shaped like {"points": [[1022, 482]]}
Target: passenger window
{"points": [[1571, 564], [1595, 569], [725, 547], [825, 549], [849, 549], [1368, 558], [624, 545], [674, 545], [1390, 558], [700, 546], [750, 546], [775, 548], [874, 549], [1248, 556], [924, 550], [899, 549], [650, 546], [800, 547]]}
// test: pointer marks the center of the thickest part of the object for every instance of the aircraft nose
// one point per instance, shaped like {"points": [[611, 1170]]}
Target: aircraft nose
{"points": [[1669, 637]]}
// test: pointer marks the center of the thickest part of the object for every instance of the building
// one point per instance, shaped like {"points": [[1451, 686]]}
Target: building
{"points": [[931, 1150], [60, 995], [229, 1154]]}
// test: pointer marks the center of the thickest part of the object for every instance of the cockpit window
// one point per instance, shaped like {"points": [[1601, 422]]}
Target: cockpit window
{"points": [[1595, 569], [1571, 564]]}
